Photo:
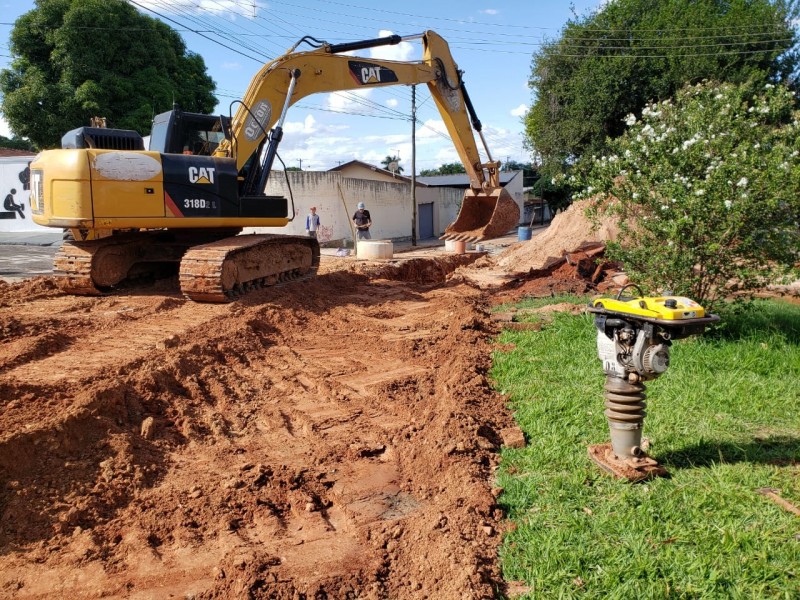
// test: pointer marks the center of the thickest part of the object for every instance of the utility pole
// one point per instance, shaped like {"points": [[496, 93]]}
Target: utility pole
{"points": [[413, 165], [301, 163]]}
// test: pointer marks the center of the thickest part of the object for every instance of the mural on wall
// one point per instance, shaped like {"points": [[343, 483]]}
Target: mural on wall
{"points": [[13, 209], [324, 234], [15, 192]]}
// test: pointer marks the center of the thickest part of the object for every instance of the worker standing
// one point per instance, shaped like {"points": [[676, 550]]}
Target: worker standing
{"points": [[362, 221], [312, 222]]}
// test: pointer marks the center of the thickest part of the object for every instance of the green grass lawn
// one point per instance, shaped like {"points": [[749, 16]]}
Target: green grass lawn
{"points": [[724, 420]]}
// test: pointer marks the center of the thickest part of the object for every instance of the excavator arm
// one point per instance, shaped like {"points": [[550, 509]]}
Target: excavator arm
{"points": [[487, 210]]}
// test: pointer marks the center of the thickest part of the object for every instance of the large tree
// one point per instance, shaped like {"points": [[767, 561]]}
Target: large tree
{"points": [[631, 52], [75, 59]]}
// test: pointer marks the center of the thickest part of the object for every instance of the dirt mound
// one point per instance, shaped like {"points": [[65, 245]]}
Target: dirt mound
{"points": [[569, 231], [332, 438]]}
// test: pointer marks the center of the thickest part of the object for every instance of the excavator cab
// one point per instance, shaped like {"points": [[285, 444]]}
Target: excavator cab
{"points": [[179, 132]]}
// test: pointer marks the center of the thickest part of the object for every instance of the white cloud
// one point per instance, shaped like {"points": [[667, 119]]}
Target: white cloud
{"points": [[489, 11], [392, 103], [5, 130], [519, 111], [348, 101], [229, 8], [305, 127], [232, 66], [404, 51], [433, 128]]}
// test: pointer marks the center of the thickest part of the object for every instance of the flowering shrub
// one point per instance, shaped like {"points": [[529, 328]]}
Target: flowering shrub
{"points": [[707, 188]]}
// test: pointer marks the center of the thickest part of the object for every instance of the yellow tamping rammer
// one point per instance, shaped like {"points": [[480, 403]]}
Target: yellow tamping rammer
{"points": [[634, 335]]}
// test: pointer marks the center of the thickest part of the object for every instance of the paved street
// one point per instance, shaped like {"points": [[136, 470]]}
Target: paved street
{"points": [[24, 255]]}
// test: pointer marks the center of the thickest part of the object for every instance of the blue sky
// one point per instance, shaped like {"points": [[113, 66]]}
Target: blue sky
{"points": [[491, 40]]}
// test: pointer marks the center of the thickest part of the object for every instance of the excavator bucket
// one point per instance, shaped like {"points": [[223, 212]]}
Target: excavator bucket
{"points": [[483, 216]]}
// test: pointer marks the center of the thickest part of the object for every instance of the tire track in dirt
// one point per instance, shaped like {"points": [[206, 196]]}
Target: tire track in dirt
{"points": [[109, 332]]}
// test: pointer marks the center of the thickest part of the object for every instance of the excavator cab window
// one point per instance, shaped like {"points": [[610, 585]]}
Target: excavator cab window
{"points": [[178, 132]]}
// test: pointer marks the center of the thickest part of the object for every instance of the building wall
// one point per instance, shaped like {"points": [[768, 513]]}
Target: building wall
{"points": [[514, 188], [15, 191], [337, 196]]}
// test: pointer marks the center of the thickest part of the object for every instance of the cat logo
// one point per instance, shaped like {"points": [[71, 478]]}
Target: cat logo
{"points": [[201, 174], [371, 74]]}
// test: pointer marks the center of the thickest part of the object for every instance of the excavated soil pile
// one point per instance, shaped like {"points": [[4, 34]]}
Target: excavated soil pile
{"points": [[333, 438], [569, 231], [565, 258]]}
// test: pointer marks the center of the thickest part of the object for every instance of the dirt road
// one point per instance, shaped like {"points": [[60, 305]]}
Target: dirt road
{"points": [[333, 438]]}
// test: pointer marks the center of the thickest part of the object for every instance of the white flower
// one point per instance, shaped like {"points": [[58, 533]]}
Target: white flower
{"points": [[664, 207], [630, 119], [742, 182], [728, 204], [699, 192]]}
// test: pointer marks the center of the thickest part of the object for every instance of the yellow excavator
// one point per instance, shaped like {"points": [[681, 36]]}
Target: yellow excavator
{"points": [[185, 200]]}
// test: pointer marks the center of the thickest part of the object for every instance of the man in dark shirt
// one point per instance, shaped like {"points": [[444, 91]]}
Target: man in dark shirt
{"points": [[362, 221]]}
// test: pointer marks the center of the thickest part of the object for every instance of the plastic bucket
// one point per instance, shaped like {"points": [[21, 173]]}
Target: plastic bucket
{"points": [[524, 233], [454, 246]]}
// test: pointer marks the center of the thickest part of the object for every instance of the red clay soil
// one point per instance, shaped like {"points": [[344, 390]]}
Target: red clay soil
{"points": [[332, 438]]}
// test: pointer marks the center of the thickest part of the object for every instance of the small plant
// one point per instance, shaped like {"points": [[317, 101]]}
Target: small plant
{"points": [[706, 188]]}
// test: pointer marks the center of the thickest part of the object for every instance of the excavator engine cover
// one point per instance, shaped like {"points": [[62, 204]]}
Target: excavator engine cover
{"points": [[483, 216]]}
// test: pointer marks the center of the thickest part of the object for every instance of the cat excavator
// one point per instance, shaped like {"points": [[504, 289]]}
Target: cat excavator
{"points": [[186, 199]]}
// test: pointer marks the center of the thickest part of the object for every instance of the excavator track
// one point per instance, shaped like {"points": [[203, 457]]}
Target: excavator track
{"points": [[225, 270], [96, 267]]}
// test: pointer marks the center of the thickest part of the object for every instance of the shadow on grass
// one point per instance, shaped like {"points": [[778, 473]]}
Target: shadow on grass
{"points": [[762, 318], [778, 451]]}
